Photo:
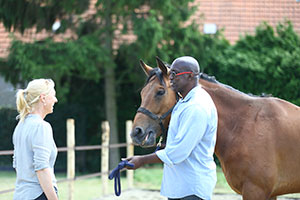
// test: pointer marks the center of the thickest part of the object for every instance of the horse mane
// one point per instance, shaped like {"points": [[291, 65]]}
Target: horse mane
{"points": [[156, 72], [212, 79], [208, 78]]}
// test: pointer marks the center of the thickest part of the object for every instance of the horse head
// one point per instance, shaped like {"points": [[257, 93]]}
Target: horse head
{"points": [[153, 116]]}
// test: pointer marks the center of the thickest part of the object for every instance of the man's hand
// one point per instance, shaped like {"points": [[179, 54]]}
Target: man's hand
{"points": [[136, 160], [139, 161]]}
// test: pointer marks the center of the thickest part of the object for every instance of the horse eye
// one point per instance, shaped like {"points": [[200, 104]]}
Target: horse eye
{"points": [[160, 92]]}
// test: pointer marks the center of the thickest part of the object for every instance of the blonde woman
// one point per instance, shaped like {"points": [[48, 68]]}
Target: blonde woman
{"points": [[34, 148]]}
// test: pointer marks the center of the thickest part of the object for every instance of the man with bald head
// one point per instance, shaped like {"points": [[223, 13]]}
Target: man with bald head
{"points": [[184, 65], [189, 167]]}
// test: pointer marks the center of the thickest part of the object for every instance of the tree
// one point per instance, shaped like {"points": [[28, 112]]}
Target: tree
{"points": [[21, 14], [158, 32]]}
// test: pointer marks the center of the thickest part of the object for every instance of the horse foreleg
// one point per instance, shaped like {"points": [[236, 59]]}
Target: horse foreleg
{"points": [[253, 192], [273, 198]]}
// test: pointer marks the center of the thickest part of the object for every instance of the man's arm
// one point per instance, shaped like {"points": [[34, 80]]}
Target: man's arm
{"points": [[139, 161], [45, 180]]}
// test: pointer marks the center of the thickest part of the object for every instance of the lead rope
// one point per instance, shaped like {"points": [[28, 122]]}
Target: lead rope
{"points": [[116, 174]]}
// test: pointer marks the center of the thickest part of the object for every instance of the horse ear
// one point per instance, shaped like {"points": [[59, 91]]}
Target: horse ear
{"points": [[162, 66], [147, 69]]}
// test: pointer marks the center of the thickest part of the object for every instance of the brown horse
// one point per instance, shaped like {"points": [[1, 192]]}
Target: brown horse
{"points": [[258, 138]]}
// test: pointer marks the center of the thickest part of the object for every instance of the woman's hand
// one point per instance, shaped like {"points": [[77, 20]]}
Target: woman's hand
{"points": [[45, 180]]}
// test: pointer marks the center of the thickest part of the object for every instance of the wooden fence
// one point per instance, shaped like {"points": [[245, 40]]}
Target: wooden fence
{"points": [[71, 148]]}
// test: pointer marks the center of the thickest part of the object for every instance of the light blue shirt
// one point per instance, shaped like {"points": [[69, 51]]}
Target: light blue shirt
{"points": [[34, 149], [189, 167]]}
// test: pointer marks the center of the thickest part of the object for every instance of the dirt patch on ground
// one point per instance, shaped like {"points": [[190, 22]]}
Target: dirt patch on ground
{"points": [[137, 194]]}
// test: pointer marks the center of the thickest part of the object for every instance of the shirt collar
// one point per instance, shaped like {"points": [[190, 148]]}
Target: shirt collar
{"points": [[30, 115], [190, 94]]}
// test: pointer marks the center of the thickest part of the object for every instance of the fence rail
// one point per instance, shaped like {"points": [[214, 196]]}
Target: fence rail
{"points": [[6, 153], [77, 148], [104, 147]]}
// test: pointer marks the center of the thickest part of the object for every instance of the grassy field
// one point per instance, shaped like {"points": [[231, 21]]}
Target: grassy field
{"points": [[91, 188]]}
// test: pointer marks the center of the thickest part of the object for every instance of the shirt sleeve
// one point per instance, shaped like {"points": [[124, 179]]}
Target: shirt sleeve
{"points": [[41, 146], [191, 128]]}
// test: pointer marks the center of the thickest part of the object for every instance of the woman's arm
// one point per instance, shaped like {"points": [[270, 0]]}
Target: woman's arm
{"points": [[44, 176]]}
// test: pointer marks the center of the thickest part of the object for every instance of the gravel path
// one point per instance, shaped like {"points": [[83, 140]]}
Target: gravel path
{"points": [[137, 194]]}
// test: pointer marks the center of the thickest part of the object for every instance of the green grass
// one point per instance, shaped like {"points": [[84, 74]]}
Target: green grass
{"points": [[91, 188], [148, 178], [222, 185], [151, 179], [85, 189], [7, 181]]}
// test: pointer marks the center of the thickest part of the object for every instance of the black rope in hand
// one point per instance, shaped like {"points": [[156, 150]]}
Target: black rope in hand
{"points": [[116, 174]]}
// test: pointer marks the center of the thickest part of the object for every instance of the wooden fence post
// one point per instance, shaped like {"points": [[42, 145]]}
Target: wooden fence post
{"points": [[130, 152], [105, 156], [71, 156]]}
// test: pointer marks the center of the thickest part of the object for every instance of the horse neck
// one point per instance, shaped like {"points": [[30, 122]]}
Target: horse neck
{"points": [[226, 99], [230, 106]]}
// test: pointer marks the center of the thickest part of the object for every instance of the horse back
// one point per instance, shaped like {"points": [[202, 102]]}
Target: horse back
{"points": [[258, 140], [277, 131]]}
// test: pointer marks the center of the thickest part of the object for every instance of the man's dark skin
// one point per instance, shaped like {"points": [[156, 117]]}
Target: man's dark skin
{"points": [[182, 84]]}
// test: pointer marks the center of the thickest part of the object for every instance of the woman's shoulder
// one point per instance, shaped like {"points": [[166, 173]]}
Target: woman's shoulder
{"points": [[36, 121]]}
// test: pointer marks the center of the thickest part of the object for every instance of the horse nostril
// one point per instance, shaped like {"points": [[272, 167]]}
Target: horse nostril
{"points": [[138, 132], [137, 135]]}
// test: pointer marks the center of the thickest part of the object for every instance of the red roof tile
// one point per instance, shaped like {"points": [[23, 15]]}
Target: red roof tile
{"points": [[239, 16]]}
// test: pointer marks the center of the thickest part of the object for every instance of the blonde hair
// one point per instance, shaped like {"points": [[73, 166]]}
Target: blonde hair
{"points": [[27, 98]]}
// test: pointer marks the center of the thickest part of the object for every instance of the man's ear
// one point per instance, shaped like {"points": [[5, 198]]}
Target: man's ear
{"points": [[191, 76]]}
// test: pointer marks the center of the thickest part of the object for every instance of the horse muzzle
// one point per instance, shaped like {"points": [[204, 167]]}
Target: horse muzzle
{"points": [[143, 138]]}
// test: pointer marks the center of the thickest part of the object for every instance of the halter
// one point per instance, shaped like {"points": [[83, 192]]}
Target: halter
{"points": [[155, 117], [158, 119]]}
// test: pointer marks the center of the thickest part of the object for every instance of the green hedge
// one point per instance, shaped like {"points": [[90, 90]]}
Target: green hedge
{"points": [[7, 124], [266, 62]]}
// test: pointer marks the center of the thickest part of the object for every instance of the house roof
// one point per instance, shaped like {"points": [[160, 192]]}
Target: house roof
{"points": [[236, 17]]}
